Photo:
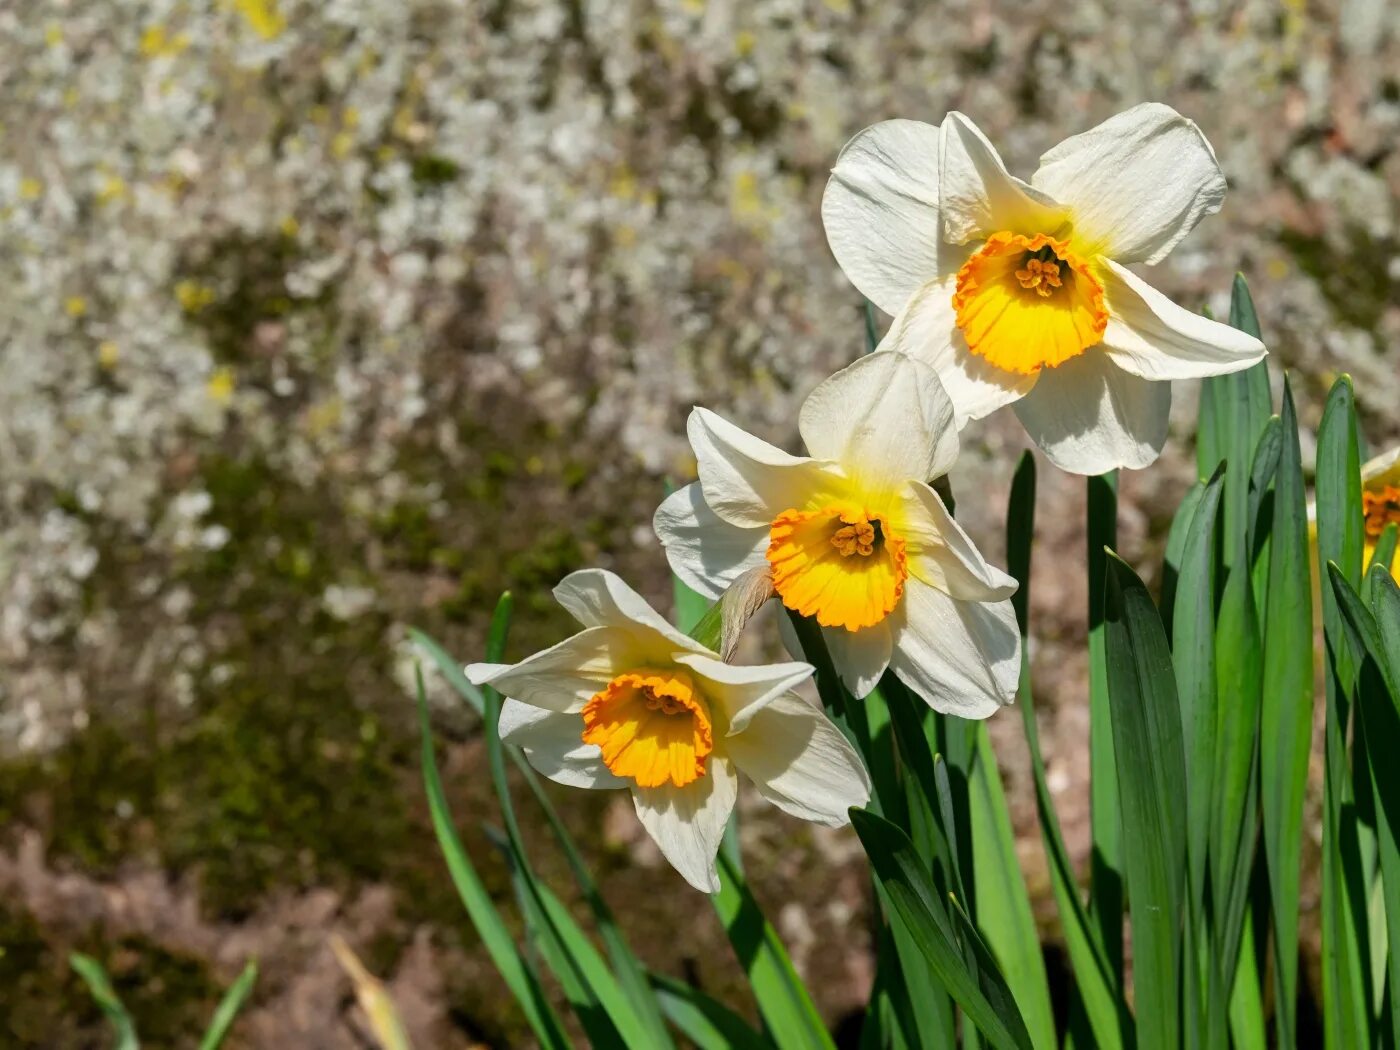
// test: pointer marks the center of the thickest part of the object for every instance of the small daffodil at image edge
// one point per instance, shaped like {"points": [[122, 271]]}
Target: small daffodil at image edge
{"points": [[855, 537], [1380, 502], [1020, 292], [631, 702]]}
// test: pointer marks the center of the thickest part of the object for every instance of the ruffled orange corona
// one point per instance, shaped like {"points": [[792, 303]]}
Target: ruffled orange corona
{"points": [[1027, 303], [652, 727], [840, 564]]}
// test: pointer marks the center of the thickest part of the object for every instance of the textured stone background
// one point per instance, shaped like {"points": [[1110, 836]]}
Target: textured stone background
{"points": [[320, 318]]}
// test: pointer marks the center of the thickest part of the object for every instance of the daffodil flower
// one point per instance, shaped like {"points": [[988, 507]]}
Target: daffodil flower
{"points": [[632, 702], [1380, 502], [855, 537], [1020, 292]]}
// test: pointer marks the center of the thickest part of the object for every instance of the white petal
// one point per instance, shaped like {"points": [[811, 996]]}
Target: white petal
{"points": [[596, 597], [553, 743], [1136, 184], [747, 481], [564, 676], [880, 210], [703, 549], [1150, 336], [801, 763], [927, 329], [943, 555], [885, 419], [743, 691], [688, 822], [963, 658], [860, 657], [1383, 469], [978, 197], [1090, 416]]}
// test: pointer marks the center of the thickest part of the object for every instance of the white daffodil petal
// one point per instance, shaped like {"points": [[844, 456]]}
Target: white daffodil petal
{"points": [[564, 676], [1150, 336], [963, 658], [860, 657], [703, 549], [1383, 469], [1136, 184], [553, 743], [596, 597], [943, 555], [747, 481], [927, 329], [884, 418], [688, 822], [801, 763], [978, 197], [880, 210], [743, 691], [1090, 416]]}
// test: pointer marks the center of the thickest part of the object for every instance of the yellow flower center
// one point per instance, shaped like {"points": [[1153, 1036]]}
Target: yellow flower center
{"points": [[651, 726], [840, 563], [1027, 303]]}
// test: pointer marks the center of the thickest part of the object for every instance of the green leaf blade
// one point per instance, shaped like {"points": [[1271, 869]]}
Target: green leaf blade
{"points": [[1152, 780]]}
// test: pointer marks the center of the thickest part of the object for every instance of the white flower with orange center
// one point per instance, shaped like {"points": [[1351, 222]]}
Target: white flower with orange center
{"points": [[1020, 292], [632, 702], [855, 537]]}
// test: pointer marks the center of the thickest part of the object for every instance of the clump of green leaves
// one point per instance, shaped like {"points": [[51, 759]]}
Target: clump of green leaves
{"points": [[1201, 704]]}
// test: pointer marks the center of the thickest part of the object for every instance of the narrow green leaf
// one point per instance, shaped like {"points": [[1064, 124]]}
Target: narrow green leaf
{"points": [[1376, 640], [1106, 860], [228, 1008], [1193, 657], [1286, 706], [593, 983], [1385, 600], [1248, 402], [95, 977], [551, 942], [1247, 1027], [791, 1019], [1102, 1008], [1176, 549], [872, 334], [1344, 897], [1004, 913], [1212, 427], [1232, 815], [1152, 781], [1382, 556], [626, 966], [1193, 660], [908, 890], [598, 978], [709, 1024], [509, 961]]}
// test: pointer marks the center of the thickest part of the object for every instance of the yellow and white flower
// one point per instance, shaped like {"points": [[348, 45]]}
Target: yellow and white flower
{"points": [[1380, 501], [855, 537], [1020, 292], [632, 702]]}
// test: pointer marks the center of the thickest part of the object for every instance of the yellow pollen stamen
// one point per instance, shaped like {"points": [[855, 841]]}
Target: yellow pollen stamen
{"points": [[1023, 333], [839, 563], [855, 539], [1041, 276], [653, 727]]}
